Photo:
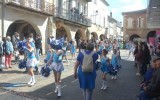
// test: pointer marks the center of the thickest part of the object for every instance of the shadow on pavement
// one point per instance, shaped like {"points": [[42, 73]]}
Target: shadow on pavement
{"points": [[8, 71], [11, 85]]}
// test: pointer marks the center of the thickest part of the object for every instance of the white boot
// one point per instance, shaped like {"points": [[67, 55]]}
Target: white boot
{"points": [[33, 81], [105, 85], [30, 81], [56, 88], [59, 90], [102, 85]]}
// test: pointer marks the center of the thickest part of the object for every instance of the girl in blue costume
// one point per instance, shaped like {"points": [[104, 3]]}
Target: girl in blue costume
{"points": [[31, 62], [49, 54], [104, 68], [114, 63], [86, 79], [73, 49], [55, 64], [101, 47]]}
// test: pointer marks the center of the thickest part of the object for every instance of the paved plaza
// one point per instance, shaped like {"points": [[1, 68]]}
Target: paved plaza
{"points": [[13, 84]]}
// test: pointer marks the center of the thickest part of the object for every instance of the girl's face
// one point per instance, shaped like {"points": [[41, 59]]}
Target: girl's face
{"points": [[153, 64], [103, 53], [114, 51]]}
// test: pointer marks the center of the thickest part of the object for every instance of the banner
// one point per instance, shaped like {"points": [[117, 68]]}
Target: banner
{"points": [[158, 32]]}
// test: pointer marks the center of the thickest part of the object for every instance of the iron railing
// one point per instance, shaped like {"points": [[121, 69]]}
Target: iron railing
{"points": [[71, 16], [37, 5]]}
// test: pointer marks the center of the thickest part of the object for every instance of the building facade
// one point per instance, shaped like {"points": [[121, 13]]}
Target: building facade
{"points": [[135, 25], [114, 29], [26, 16], [98, 13], [71, 19]]}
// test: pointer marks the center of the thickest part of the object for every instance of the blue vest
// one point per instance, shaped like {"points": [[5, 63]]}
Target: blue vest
{"points": [[57, 58]]}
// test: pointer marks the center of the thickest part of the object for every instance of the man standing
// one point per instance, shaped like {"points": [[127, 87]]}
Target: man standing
{"points": [[38, 44], [15, 39]]}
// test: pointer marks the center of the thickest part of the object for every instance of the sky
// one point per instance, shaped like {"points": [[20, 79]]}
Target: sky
{"points": [[119, 6]]}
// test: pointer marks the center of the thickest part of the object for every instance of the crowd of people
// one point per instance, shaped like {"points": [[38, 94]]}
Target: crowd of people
{"points": [[147, 63], [92, 56]]}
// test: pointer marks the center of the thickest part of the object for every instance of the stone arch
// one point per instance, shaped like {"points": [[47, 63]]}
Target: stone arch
{"points": [[62, 26], [80, 34], [87, 34], [23, 28], [134, 36], [94, 35], [102, 37]]}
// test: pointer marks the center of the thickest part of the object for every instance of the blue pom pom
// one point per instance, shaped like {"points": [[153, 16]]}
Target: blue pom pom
{"points": [[45, 71], [22, 65], [97, 65], [57, 44]]}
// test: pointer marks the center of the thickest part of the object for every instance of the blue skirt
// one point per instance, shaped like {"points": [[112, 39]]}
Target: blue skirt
{"points": [[86, 79], [105, 69]]}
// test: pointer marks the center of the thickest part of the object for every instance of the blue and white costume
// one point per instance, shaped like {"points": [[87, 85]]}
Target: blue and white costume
{"points": [[48, 56], [57, 64], [73, 49], [31, 59], [114, 61], [101, 47], [64, 48], [104, 64]]}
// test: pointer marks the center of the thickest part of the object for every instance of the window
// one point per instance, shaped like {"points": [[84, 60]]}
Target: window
{"points": [[130, 23], [84, 10], [78, 4], [140, 22]]}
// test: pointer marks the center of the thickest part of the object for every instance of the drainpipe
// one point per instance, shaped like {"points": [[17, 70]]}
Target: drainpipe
{"points": [[2, 16]]}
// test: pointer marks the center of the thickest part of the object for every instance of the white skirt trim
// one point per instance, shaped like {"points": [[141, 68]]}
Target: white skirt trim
{"points": [[31, 62], [57, 66]]}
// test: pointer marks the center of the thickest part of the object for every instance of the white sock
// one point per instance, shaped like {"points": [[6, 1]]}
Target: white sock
{"points": [[33, 78]]}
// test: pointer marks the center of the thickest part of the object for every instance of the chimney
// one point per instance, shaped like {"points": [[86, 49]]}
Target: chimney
{"points": [[110, 14]]}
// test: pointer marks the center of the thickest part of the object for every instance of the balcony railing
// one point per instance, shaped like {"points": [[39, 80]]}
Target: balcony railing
{"points": [[72, 17], [37, 5]]}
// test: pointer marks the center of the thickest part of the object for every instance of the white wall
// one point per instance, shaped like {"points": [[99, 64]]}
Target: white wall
{"points": [[103, 12]]}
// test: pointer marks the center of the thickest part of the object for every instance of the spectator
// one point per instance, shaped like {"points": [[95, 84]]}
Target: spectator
{"points": [[8, 52], [152, 90], [15, 39], [38, 44]]}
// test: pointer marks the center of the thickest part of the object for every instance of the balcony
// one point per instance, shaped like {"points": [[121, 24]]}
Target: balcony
{"points": [[39, 6], [72, 17]]}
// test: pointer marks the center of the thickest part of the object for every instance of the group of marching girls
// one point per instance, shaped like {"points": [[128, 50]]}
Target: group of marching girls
{"points": [[109, 66]]}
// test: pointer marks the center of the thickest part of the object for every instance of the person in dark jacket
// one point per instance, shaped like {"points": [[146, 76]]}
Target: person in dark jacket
{"points": [[152, 90], [139, 58], [38, 44], [146, 59]]}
